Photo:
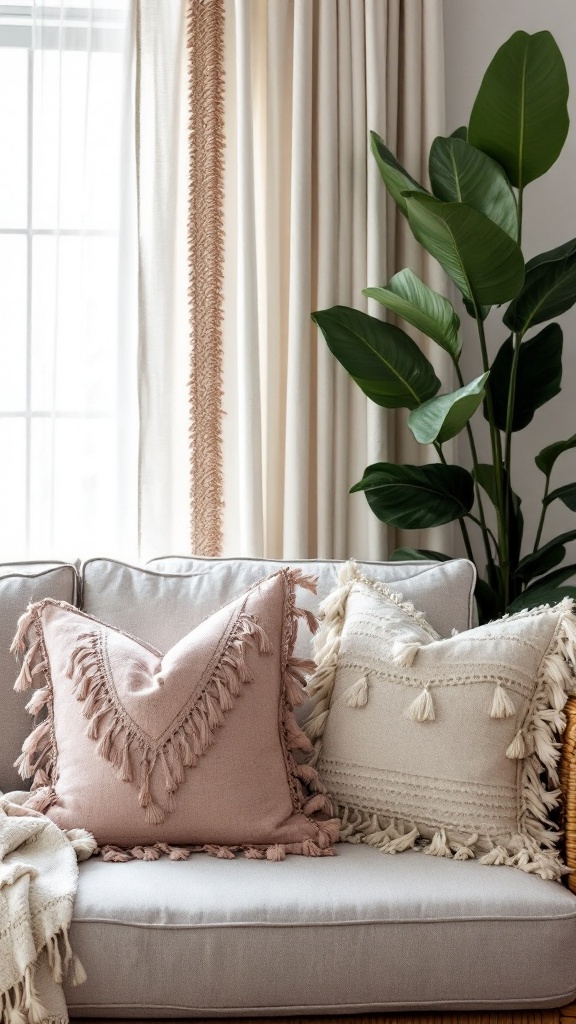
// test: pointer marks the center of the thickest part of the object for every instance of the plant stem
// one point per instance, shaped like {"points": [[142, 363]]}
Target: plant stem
{"points": [[516, 343], [483, 524], [497, 461], [542, 515], [483, 527], [463, 527]]}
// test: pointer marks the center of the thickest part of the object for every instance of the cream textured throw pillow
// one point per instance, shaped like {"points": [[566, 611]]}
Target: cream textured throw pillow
{"points": [[449, 745]]}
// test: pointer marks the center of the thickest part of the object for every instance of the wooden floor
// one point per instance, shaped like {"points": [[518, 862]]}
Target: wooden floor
{"points": [[565, 1015]]}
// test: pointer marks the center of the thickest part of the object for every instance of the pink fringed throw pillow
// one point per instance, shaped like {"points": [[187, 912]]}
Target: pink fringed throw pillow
{"points": [[191, 750]]}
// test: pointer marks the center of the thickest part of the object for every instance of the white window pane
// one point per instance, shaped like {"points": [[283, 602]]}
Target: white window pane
{"points": [[74, 323], [13, 323], [14, 136], [77, 125], [13, 490], [74, 484]]}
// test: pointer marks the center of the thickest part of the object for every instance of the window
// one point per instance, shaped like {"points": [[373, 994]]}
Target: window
{"points": [[68, 406]]}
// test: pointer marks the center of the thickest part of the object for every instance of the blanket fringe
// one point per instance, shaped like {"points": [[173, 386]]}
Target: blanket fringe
{"points": [[21, 1004]]}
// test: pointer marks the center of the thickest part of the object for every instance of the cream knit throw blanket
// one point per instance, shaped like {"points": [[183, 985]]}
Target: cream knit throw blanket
{"points": [[38, 878]]}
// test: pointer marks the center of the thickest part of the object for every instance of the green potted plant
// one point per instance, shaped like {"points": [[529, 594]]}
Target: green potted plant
{"points": [[471, 223]]}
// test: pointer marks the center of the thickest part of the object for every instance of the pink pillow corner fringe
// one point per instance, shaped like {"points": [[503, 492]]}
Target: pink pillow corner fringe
{"points": [[191, 737]]}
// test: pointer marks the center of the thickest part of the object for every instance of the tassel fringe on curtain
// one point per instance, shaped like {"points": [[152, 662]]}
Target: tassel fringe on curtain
{"points": [[205, 42]]}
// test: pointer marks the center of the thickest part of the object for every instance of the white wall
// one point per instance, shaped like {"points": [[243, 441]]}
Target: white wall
{"points": [[473, 31]]}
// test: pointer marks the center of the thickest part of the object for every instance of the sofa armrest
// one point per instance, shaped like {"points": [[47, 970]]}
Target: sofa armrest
{"points": [[568, 784]]}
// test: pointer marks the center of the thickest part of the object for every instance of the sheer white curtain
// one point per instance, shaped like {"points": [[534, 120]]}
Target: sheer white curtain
{"points": [[308, 227], [87, 295], [163, 357]]}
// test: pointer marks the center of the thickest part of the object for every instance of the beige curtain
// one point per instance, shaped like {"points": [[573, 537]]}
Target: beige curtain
{"points": [[308, 226]]}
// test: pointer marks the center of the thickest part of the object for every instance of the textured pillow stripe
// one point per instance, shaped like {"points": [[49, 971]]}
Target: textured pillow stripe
{"points": [[403, 669], [143, 761]]}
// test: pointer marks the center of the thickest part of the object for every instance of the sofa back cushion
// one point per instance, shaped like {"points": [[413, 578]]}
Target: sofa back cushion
{"points": [[171, 596], [20, 584]]}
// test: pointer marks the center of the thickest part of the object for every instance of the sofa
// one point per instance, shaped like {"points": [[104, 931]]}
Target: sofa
{"points": [[357, 933]]}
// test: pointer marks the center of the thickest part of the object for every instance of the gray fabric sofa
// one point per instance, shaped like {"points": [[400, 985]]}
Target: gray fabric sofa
{"points": [[357, 933]]}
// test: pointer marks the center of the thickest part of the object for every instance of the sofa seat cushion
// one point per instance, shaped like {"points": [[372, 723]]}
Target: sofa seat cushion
{"points": [[357, 932]]}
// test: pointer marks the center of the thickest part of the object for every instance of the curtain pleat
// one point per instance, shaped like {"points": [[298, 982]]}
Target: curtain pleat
{"points": [[297, 476], [251, 511], [161, 150], [311, 229]]}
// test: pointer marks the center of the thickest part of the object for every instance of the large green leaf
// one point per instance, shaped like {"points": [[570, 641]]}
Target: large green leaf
{"points": [[545, 558], [382, 359], [548, 595], [418, 304], [538, 378], [417, 497], [418, 555], [547, 457], [485, 475], [520, 116], [554, 579], [540, 561], [444, 416], [395, 177], [482, 260], [566, 494], [460, 173], [549, 288]]}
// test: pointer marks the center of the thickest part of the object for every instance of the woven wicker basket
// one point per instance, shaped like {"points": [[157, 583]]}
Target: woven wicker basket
{"points": [[568, 784]]}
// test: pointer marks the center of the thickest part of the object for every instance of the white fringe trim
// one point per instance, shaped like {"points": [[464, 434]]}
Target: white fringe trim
{"points": [[21, 1004], [393, 835]]}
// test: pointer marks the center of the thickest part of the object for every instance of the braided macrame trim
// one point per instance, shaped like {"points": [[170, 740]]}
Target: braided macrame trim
{"points": [[205, 42]]}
